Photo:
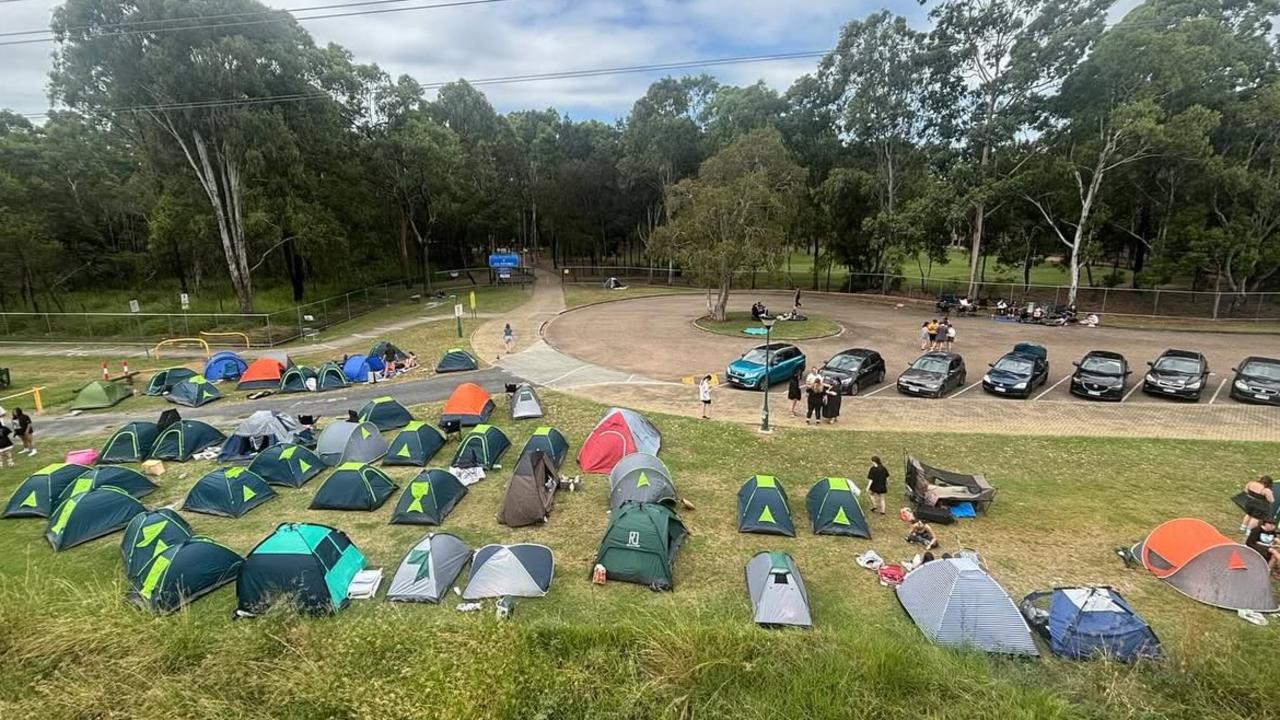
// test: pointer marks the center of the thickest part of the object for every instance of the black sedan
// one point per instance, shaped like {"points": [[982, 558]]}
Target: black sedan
{"points": [[1100, 375], [854, 369], [1257, 381], [933, 374], [1178, 374], [1018, 372]]}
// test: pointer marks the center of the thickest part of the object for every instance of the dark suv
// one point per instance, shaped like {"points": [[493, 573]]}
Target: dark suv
{"points": [[1257, 381], [853, 369], [1178, 374]]}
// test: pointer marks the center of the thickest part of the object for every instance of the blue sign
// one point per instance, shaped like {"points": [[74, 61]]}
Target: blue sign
{"points": [[504, 260]]}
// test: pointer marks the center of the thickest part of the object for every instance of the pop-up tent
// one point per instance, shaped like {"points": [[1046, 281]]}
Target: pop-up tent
{"points": [[193, 392], [763, 507], [311, 566], [483, 447], [456, 360], [184, 573], [640, 543], [933, 487], [356, 369], [468, 405], [287, 465], [89, 516], [294, 380], [1203, 564], [149, 534], [185, 438], [350, 442], [229, 492], [428, 499], [38, 495], [131, 443], [531, 493], [100, 394], [164, 380], [525, 403], [522, 570], [618, 434], [224, 366], [330, 377], [429, 568], [640, 477], [956, 604], [262, 374], [354, 486], [121, 478], [1081, 623], [261, 430], [834, 510], [378, 354], [416, 444], [551, 442], [777, 592], [386, 413]]}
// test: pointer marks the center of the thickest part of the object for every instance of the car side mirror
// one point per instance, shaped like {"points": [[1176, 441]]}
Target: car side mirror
{"points": [[1076, 363], [1150, 364], [1235, 369], [1128, 372]]}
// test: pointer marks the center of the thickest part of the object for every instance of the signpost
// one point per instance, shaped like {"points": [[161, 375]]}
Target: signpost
{"points": [[134, 307], [457, 313], [185, 299], [473, 304]]}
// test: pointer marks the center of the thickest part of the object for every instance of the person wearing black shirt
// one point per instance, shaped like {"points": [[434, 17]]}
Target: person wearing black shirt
{"points": [[877, 484], [22, 428], [1262, 539]]}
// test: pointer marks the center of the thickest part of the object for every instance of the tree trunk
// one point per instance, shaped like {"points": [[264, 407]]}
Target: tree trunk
{"points": [[293, 264], [404, 245], [722, 299]]}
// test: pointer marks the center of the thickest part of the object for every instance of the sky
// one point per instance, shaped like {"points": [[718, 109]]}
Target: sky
{"points": [[519, 37]]}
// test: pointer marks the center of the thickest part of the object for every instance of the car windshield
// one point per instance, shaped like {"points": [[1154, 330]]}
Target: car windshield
{"points": [[1102, 366], [1262, 370], [845, 362], [1185, 366], [930, 364], [757, 355], [1018, 365]]}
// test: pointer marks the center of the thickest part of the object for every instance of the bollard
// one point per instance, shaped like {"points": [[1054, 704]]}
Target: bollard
{"points": [[35, 397]]}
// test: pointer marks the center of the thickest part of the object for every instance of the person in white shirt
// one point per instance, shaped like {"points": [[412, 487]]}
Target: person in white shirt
{"points": [[704, 395]]}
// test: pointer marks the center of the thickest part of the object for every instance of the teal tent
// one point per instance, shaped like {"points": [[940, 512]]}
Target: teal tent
{"points": [[149, 534], [287, 465], [354, 486], [38, 494], [164, 380], [483, 447], [833, 509], [183, 573], [229, 492], [294, 380], [89, 516], [330, 377], [131, 443], [386, 413], [763, 507], [456, 360], [640, 544], [428, 499], [551, 442], [116, 476], [185, 438], [193, 392], [309, 565], [416, 444]]}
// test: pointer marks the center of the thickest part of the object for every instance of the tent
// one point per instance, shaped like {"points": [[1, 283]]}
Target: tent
{"points": [[229, 492], [149, 534], [763, 507], [619, 433], [777, 592], [429, 569], [428, 499], [330, 377], [1205, 565], [164, 380], [262, 374], [1080, 623], [640, 544], [131, 443], [482, 447], [311, 565], [356, 369], [121, 478], [834, 510], [287, 465], [261, 430], [551, 442], [531, 492], [88, 516], [354, 486], [193, 392], [378, 355], [350, 442], [456, 360], [100, 394], [933, 487], [185, 438], [416, 444], [640, 477], [224, 366], [294, 380], [956, 604], [525, 403], [468, 405], [522, 570], [38, 495], [184, 572], [386, 413]]}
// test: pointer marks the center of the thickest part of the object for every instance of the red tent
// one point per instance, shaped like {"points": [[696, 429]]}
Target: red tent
{"points": [[262, 374], [620, 433], [1202, 563]]}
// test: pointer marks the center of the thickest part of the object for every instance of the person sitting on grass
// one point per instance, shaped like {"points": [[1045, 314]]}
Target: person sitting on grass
{"points": [[922, 534], [1259, 497], [1262, 540]]}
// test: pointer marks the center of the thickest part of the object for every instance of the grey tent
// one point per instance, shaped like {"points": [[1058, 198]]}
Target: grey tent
{"points": [[260, 431], [525, 403], [531, 493], [350, 442], [428, 570], [640, 477], [777, 593], [956, 604], [522, 570]]}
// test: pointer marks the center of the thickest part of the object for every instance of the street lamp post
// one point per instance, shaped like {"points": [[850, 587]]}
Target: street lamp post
{"points": [[768, 371]]}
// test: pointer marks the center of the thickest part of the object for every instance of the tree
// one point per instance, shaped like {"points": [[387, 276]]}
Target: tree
{"points": [[733, 215]]}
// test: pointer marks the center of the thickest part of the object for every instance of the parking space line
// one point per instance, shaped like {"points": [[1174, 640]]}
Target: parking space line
{"points": [[1051, 387], [1132, 390], [958, 393], [1215, 392], [878, 390]]}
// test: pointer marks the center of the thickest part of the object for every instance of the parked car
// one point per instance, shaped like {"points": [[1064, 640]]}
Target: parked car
{"points": [[1018, 371], [932, 374], [854, 369], [1257, 381], [748, 371], [1177, 373], [1100, 375]]}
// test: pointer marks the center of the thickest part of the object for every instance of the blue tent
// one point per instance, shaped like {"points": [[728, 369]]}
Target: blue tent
{"points": [[1081, 623], [224, 366], [357, 368]]}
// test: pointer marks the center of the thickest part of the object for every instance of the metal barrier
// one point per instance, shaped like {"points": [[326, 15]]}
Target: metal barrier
{"points": [[241, 335], [35, 397], [174, 341]]}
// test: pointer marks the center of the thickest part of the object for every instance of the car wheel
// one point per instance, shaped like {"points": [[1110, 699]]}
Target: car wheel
{"points": [[880, 377], [853, 389]]}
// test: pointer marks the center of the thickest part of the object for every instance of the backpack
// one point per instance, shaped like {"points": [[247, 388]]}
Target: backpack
{"points": [[891, 575]]}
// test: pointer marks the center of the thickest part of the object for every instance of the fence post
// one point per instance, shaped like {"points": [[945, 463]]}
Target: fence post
{"points": [[324, 304], [1155, 308], [1217, 298], [270, 342], [1258, 313], [299, 310], [170, 319], [47, 325], [348, 296], [1057, 291], [88, 326], [1105, 291]]}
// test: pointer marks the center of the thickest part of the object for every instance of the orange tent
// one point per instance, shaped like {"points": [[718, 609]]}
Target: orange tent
{"points": [[468, 405], [261, 374], [1205, 565]]}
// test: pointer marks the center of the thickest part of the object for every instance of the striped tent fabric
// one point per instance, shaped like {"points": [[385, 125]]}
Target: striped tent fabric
{"points": [[957, 604]]}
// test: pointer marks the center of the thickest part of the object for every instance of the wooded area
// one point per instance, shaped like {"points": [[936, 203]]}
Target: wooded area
{"points": [[1018, 129]]}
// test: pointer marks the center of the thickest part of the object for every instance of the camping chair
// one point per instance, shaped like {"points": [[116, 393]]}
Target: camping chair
{"points": [[451, 427]]}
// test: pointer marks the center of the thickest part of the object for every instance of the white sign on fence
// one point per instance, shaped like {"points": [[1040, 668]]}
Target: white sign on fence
{"points": [[134, 307], [457, 310], [185, 300]]}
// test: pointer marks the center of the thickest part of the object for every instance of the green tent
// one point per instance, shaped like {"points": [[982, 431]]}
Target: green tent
{"points": [[131, 443], [195, 391], [354, 486], [100, 394], [310, 565], [185, 438], [551, 442], [229, 492], [416, 444], [184, 572], [763, 507], [164, 380], [88, 516], [386, 413], [482, 447], [287, 465], [39, 493], [330, 377], [428, 499], [833, 509], [294, 380], [116, 476], [640, 544], [149, 534]]}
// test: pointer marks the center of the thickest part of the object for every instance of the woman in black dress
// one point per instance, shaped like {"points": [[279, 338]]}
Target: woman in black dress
{"points": [[793, 392], [831, 408], [877, 484]]}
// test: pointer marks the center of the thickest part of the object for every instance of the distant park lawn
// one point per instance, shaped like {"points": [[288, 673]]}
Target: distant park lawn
{"points": [[815, 326]]}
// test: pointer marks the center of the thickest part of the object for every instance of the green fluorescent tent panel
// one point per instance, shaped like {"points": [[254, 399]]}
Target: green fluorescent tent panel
{"points": [[184, 572], [834, 510], [640, 544], [287, 465], [763, 507], [415, 445], [89, 516], [100, 394], [123, 478], [131, 443], [386, 413], [354, 486], [428, 499], [229, 492], [310, 565], [149, 534], [39, 493]]}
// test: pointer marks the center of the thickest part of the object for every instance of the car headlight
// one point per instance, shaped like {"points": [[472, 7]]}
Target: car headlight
{"points": [[986, 379], [1242, 385], [1020, 386], [1195, 384], [1150, 378]]}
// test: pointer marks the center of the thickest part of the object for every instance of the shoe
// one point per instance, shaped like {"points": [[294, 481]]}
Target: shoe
{"points": [[32, 453]]}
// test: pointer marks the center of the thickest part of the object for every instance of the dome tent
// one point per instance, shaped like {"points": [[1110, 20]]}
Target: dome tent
{"points": [[1081, 623], [310, 565], [386, 413], [428, 499], [183, 573], [354, 486], [287, 465], [183, 439], [344, 441], [525, 403], [957, 604], [551, 442], [100, 394], [195, 391], [224, 366], [482, 447], [378, 355], [38, 495], [429, 569], [778, 595], [357, 369], [523, 570], [164, 380], [261, 430], [1198, 561], [149, 534], [294, 380], [89, 516], [416, 444], [228, 492], [619, 433], [763, 507], [131, 443], [456, 360], [834, 510], [330, 377], [262, 374], [530, 495], [640, 544], [468, 405], [640, 477], [121, 478]]}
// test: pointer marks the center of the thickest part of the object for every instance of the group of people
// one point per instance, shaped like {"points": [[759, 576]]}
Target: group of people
{"points": [[21, 429], [937, 334], [1259, 524], [823, 398]]}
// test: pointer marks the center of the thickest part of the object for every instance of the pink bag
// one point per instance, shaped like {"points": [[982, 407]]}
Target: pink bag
{"points": [[84, 457]]}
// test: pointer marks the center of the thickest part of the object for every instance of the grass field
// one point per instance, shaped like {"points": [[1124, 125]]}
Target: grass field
{"points": [[735, 322], [70, 648], [576, 295]]}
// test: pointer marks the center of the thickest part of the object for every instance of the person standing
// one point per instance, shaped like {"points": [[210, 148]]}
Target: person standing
{"points": [[23, 428], [817, 392], [508, 338], [797, 301], [924, 336], [793, 392], [877, 484], [704, 396], [951, 336], [932, 328], [831, 403], [941, 334]]}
